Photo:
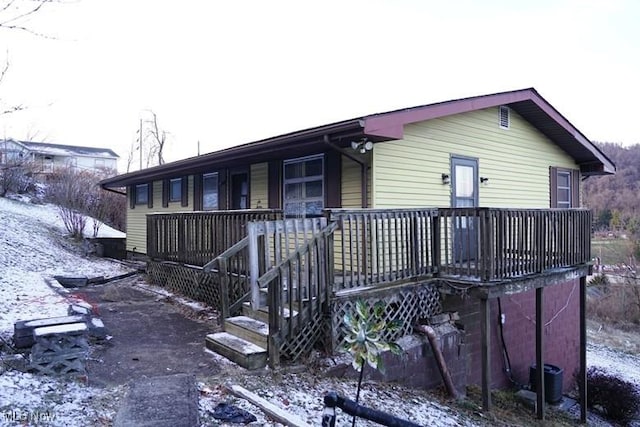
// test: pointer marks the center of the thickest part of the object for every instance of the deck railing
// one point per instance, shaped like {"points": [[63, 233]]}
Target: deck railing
{"points": [[490, 244], [377, 246], [198, 237], [297, 291]]}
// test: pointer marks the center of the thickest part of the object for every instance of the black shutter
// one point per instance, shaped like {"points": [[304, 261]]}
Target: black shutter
{"points": [[184, 191], [132, 196], [166, 187], [223, 185], [150, 195], [553, 187], [274, 185], [197, 192]]}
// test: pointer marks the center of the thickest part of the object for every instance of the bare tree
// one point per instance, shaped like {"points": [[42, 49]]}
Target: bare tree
{"points": [[68, 189], [7, 109], [15, 13], [150, 145], [158, 140]]}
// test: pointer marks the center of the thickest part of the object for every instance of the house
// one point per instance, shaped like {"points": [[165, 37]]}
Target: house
{"points": [[44, 157], [470, 205]]}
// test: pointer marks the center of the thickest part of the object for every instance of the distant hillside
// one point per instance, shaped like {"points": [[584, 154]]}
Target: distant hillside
{"points": [[615, 199]]}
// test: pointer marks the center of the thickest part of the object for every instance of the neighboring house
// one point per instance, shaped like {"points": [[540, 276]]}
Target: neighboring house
{"points": [[45, 157], [474, 198]]}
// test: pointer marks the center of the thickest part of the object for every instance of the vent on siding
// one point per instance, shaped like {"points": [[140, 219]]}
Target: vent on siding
{"points": [[504, 117]]}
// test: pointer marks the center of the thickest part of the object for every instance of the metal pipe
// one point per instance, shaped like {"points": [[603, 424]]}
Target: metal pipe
{"points": [[442, 364], [332, 400]]}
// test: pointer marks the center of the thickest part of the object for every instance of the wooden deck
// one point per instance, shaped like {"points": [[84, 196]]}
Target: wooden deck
{"points": [[316, 266]]}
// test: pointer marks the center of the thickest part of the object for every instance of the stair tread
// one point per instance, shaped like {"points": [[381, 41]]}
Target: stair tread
{"points": [[265, 309], [249, 323], [235, 343]]}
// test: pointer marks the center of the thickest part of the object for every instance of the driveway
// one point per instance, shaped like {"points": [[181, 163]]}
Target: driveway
{"points": [[151, 335]]}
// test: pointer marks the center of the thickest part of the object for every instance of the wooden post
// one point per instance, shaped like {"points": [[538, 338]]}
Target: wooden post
{"points": [[435, 241], [582, 378], [253, 265], [485, 329], [224, 289], [540, 353]]}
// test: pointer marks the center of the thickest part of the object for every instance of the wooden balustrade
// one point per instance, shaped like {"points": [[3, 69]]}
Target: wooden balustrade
{"points": [[375, 246], [298, 288], [198, 237], [490, 244]]}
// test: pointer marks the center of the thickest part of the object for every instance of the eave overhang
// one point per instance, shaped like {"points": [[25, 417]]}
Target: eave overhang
{"points": [[288, 145], [384, 127], [526, 102]]}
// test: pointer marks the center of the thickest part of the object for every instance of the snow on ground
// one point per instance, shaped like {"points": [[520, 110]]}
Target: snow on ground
{"points": [[623, 365], [48, 214], [301, 394], [33, 248]]}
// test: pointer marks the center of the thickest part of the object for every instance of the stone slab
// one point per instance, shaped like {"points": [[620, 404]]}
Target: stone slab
{"points": [[166, 401]]}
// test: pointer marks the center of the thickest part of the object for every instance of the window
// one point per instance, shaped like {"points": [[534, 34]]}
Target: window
{"points": [[303, 186], [175, 189], [504, 117], [210, 191], [99, 163], [72, 162], [564, 189], [142, 194]]}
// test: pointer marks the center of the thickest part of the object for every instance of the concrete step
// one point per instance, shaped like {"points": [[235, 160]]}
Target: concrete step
{"points": [[247, 328], [242, 352], [262, 314]]}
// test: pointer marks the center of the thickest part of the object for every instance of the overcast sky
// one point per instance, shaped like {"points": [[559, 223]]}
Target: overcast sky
{"points": [[229, 72]]}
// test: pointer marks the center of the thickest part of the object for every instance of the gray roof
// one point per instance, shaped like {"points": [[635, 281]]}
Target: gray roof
{"points": [[67, 150]]}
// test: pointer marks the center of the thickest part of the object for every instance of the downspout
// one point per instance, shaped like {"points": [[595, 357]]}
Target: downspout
{"points": [[363, 170]]}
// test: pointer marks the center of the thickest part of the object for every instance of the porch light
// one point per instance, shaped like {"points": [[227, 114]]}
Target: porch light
{"points": [[446, 179], [363, 145], [484, 180]]}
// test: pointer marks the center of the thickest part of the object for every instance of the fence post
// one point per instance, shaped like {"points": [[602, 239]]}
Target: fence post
{"points": [[273, 344], [486, 234], [435, 241], [254, 267], [224, 289]]}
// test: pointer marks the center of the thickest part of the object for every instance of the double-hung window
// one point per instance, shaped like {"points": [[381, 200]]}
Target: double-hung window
{"points": [[175, 189], [564, 189], [303, 186], [142, 194], [210, 191]]}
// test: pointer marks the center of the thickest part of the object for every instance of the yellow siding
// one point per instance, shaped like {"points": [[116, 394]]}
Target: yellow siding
{"points": [[137, 217], [352, 184], [259, 180], [407, 173]]}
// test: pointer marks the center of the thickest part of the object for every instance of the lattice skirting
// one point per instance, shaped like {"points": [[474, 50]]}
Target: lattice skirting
{"points": [[305, 339], [406, 303], [186, 280]]}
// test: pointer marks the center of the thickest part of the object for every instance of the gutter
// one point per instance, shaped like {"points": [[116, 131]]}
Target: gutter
{"points": [[248, 149]]}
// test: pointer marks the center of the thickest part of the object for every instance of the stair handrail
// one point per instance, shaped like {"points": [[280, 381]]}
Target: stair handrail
{"points": [[222, 261], [275, 287]]}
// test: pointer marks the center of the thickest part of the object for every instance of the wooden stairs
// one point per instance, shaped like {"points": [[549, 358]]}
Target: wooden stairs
{"points": [[244, 339]]}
